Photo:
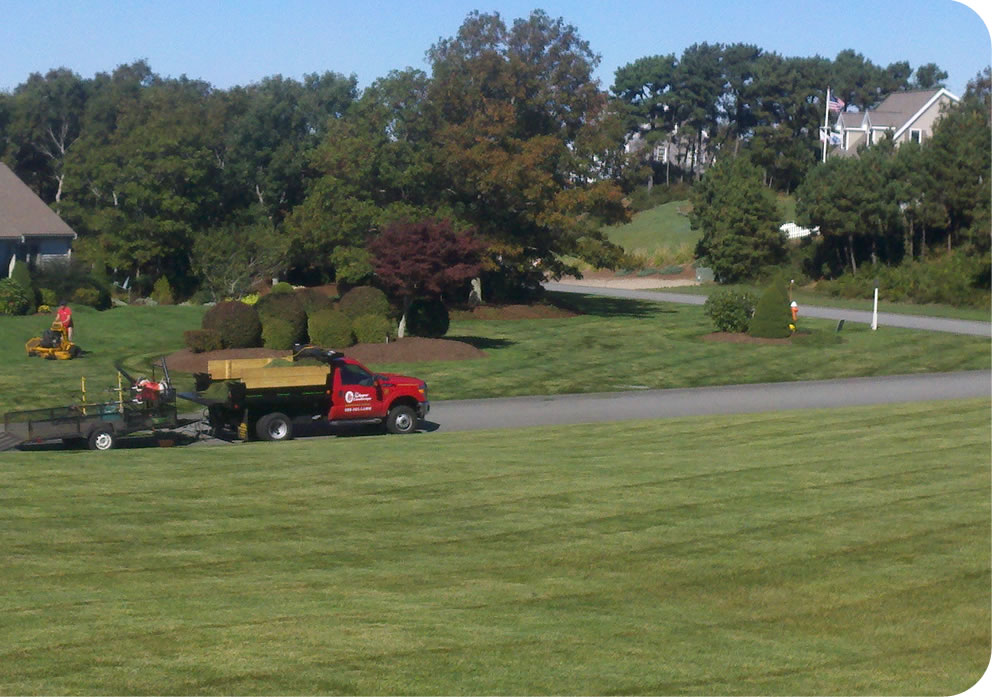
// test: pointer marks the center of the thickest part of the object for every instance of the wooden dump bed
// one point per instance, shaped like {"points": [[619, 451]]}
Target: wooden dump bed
{"points": [[255, 373]]}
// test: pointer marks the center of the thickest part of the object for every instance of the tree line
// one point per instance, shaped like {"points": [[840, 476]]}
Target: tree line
{"points": [[507, 136]]}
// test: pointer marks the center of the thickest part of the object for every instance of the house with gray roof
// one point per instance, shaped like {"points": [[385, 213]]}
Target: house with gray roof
{"points": [[30, 231], [908, 116]]}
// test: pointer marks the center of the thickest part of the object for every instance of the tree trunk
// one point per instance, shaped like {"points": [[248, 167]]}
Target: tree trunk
{"points": [[401, 330], [923, 243], [850, 250]]}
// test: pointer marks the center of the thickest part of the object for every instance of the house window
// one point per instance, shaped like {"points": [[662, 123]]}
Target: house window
{"points": [[916, 135]]}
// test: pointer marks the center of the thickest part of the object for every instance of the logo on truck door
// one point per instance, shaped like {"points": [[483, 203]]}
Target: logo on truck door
{"points": [[351, 396]]}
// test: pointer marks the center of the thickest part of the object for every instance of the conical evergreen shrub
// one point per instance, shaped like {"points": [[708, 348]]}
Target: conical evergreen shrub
{"points": [[772, 314]]}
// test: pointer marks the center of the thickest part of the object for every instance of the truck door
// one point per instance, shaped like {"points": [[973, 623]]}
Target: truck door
{"points": [[356, 395]]}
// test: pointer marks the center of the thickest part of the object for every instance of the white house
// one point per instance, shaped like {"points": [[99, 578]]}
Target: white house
{"points": [[908, 116]]}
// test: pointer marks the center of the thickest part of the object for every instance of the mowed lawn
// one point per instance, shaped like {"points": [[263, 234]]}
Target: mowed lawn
{"points": [[823, 552], [615, 344], [623, 344]]}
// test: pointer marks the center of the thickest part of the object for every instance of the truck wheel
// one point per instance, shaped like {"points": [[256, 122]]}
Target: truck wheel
{"points": [[102, 439], [274, 426], [401, 419]]}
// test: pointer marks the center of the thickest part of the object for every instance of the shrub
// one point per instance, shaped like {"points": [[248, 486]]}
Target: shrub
{"points": [[278, 333], [281, 287], [730, 309], [21, 274], [330, 328], [86, 296], [13, 298], [48, 297], [428, 318], [237, 324], [373, 329], [364, 300], [313, 300], [286, 307], [201, 340], [772, 314], [162, 292]]}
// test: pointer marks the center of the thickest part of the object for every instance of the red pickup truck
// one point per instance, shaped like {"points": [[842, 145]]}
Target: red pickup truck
{"points": [[265, 402]]}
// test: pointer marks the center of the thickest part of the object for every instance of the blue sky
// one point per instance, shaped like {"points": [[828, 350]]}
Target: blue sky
{"points": [[227, 43]]}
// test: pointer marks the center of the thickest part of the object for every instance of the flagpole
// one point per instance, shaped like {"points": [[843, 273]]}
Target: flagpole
{"points": [[826, 124]]}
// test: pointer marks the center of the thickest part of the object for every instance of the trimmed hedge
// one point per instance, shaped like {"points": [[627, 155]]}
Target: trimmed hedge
{"points": [[202, 340], [365, 300], [278, 333], [373, 329], [428, 318], [313, 300], [281, 287], [286, 307], [237, 324], [331, 329], [772, 315], [730, 309]]}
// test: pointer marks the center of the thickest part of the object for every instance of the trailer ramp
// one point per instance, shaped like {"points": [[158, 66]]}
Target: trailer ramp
{"points": [[9, 441]]}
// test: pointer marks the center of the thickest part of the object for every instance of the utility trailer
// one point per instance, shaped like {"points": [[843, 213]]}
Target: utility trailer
{"points": [[151, 407], [260, 401]]}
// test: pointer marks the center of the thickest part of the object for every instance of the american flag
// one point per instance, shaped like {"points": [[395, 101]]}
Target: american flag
{"points": [[835, 104]]}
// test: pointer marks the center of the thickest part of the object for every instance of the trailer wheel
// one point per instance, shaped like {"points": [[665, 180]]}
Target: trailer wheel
{"points": [[401, 419], [102, 439], [274, 426]]}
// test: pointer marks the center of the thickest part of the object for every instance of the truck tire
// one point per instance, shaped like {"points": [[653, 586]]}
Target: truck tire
{"points": [[402, 419], [102, 439], [274, 426]]}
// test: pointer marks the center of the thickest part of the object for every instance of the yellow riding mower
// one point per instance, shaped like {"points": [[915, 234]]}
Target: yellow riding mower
{"points": [[52, 344]]}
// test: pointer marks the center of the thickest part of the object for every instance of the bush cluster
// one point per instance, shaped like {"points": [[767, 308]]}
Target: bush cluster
{"points": [[730, 309], [237, 324], [13, 298], [330, 328], [952, 279], [282, 308], [373, 329], [772, 315], [364, 300], [86, 296], [313, 300], [202, 340], [428, 318], [278, 333]]}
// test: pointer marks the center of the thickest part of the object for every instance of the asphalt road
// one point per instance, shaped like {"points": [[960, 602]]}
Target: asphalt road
{"points": [[887, 319], [520, 412]]}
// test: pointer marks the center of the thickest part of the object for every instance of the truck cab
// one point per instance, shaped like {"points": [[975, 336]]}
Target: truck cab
{"points": [[267, 402]]}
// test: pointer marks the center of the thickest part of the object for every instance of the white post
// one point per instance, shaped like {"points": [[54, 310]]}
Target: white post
{"points": [[826, 124], [874, 311]]}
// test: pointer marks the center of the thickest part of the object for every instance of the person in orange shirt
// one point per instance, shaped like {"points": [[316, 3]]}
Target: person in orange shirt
{"points": [[64, 315]]}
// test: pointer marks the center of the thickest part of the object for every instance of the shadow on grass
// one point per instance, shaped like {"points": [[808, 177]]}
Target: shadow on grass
{"points": [[482, 342], [601, 306]]}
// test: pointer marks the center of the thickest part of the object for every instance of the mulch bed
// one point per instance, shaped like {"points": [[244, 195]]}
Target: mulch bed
{"points": [[510, 312], [408, 350], [735, 338]]}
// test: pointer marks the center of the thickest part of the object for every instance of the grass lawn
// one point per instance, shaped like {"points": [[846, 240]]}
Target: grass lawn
{"points": [[661, 228], [823, 552], [811, 297], [137, 335], [617, 345], [628, 344]]}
